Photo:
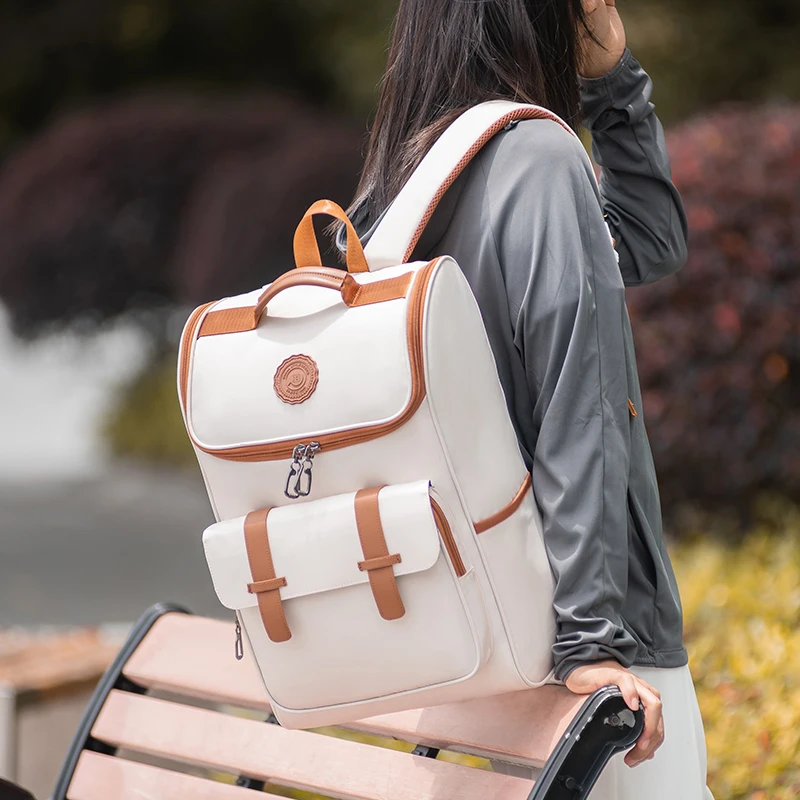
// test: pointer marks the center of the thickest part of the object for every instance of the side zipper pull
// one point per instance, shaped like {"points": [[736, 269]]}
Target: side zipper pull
{"points": [[238, 647]]}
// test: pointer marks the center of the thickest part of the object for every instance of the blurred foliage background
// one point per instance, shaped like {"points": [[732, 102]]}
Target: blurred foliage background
{"points": [[158, 153]]}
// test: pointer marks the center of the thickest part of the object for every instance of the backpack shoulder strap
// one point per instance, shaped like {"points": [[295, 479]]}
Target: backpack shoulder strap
{"points": [[394, 239]]}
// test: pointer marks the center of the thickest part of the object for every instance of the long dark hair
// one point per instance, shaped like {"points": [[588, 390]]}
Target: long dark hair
{"points": [[448, 55]]}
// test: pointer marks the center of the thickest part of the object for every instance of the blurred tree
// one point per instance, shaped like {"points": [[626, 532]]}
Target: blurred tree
{"points": [[163, 199], [701, 53], [55, 54], [718, 346]]}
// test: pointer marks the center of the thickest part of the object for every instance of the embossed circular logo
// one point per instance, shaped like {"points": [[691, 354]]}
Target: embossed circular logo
{"points": [[296, 379]]}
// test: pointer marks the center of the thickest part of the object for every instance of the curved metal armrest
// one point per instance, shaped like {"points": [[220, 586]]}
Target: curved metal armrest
{"points": [[603, 727]]}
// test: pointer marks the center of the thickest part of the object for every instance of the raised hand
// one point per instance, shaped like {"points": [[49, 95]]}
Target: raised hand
{"points": [[601, 54]]}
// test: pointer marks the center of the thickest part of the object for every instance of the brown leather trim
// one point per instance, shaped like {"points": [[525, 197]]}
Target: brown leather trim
{"points": [[512, 116], [504, 513], [632, 408], [333, 441], [380, 563], [364, 294], [306, 250], [227, 320], [446, 532], [373, 545], [265, 584], [240, 320], [189, 336]]}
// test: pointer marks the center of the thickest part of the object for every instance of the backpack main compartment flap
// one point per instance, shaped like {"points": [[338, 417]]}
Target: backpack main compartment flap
{"points": [[313, 366], [315, 546]]}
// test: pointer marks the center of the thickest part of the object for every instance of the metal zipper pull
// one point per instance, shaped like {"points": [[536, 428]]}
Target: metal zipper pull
{"points": [[305, 478], [295, 472], [238, 647]]}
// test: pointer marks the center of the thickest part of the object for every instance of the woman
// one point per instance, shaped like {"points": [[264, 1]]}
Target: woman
{"points": [[524, 221]]}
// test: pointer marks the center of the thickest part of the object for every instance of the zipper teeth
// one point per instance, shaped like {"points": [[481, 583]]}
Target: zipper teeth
{"points": [[274, 452], [449, 540]]}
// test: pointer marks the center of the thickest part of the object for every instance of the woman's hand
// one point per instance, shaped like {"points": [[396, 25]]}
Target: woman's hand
{"points": [[591, 677], [601, 56]]}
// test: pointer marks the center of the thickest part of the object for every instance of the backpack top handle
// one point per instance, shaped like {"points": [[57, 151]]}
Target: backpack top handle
{"points": [[306, 249]]}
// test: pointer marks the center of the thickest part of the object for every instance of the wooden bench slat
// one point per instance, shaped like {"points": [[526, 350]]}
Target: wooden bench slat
{"points": [[101, 777], [521, 728], [193, 656], [297, 759], [41, 663]]}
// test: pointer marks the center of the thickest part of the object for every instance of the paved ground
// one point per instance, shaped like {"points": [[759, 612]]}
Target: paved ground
{"points": [[95, 551], [102, 550]]}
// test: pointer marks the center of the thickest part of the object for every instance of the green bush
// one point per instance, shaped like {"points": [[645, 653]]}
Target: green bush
{"points": [[146, 423]]}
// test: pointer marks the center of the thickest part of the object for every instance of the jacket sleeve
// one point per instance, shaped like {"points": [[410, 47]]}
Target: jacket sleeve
{"points": [[567, 304], [643, 207]]}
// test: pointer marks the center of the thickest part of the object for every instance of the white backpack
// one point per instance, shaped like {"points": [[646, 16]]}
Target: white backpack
{"points": [[377, 534]]}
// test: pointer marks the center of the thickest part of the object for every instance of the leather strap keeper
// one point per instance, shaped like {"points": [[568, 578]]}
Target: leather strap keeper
{"points": [[266, 586], [377, 560], [380, 563]]}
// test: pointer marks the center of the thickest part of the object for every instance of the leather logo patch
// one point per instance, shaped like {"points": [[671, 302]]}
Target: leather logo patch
{"points": [[296, 379]]}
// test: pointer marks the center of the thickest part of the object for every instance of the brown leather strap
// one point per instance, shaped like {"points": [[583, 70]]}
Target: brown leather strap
{"points": [[504, 513], [238, 320], [265, 584], [227, 320], [306, 250], [373, 545]]}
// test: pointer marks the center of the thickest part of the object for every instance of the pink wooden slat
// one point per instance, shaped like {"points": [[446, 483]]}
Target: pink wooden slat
{"points": [[100, 777], [194, 656], [299, 759], [520, 728]]}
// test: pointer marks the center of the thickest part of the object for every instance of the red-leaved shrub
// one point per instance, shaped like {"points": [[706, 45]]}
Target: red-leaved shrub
{"points": [[163, 199], [718, 346]]}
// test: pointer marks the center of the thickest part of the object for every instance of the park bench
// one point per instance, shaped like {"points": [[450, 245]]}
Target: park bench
{"points": [[38, 667], [176, 716]]}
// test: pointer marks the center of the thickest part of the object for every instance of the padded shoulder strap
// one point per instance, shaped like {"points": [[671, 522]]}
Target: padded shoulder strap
{"points": [[393, 241]]}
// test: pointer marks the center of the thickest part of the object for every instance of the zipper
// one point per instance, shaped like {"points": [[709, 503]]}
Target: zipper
{"points": [[298, 484], [449, 540], [276, 451], [238, 647]]}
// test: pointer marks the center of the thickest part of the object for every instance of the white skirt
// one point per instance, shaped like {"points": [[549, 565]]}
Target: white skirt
{"points": [[678, 769]]}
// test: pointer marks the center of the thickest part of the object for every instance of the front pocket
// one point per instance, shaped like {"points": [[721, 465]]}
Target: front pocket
{"points": [[363, 624], [522, 581]]}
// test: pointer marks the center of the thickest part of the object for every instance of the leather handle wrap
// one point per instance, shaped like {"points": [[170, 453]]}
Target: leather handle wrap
{"points": [[306, 249], [353, 293]]}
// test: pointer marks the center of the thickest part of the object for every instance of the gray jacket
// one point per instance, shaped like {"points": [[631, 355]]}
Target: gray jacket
{"points": [[525, 223]]}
